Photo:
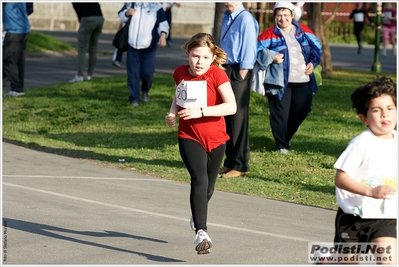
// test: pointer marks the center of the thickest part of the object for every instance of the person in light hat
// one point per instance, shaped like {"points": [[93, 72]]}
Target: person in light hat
{"points": [[290, 51]]}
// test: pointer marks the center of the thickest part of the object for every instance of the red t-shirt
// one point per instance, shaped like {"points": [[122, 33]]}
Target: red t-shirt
{"points": [[210, 132]]}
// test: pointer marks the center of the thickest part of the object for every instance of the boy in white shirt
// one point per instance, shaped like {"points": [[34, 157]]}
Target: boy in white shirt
{"points": [[366, 173]]}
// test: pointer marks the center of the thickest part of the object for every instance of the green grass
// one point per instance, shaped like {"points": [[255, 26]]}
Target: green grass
{"points": [[40, 42], [94, 121]]}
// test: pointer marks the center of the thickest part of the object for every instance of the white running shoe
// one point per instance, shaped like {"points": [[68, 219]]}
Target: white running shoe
{"points": [[192, 225], [202, 242], [76, 79], [13, 93]]}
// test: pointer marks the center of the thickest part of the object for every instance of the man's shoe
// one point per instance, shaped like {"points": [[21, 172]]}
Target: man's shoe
{"points": [[76, 79], [134, 103], [224, 170], [234, 173], [13, 93], [283, 151], [87, 78], [145, 97], [116, 64]]}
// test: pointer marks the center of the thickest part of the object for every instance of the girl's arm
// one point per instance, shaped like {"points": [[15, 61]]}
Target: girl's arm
{"points": [[228, 107], [171, 115]]}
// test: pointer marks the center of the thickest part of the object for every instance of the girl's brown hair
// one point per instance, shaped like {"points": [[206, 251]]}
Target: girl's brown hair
{"points": [[206, 40]]}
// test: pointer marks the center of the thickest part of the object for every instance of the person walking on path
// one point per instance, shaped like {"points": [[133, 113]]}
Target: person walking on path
{"points": [[16, 29], [291, 51], [118, 54], [239, 40], [359, 15], [168, 6], [202, 130], [148, 29], [91, 23], [366, 174], [388, 28]]}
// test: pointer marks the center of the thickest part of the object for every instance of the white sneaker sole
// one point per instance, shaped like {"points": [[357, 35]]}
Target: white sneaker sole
{"points": [[205, 245]]}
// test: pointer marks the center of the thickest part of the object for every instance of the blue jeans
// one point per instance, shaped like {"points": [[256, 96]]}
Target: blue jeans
{"points": [[140, 64]]}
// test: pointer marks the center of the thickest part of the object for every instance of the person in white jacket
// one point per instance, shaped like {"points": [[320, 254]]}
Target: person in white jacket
{"points": [[148, 29]]}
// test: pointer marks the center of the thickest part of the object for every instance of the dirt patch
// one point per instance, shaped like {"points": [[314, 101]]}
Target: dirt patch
{"points": [[49, 53]]}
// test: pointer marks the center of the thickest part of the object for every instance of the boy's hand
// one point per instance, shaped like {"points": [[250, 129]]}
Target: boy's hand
{"points": [[382, 191]]}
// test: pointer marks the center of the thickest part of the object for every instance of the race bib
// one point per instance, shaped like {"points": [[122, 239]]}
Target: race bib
{"points": [[380, 208], [192, 94]]}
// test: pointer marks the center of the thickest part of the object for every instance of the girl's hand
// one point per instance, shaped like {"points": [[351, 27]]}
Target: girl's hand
{"points": [[170, 119], [190, 113]]}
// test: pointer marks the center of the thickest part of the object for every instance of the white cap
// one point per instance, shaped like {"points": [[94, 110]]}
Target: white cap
{"points": [[287, 5]]}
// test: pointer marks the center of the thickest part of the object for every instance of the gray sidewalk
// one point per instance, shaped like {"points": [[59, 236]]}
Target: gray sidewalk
{"points": [[59, 210]]}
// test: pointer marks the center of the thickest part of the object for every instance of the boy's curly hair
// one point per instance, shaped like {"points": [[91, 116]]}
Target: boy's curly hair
{"points": [[362, 96]]}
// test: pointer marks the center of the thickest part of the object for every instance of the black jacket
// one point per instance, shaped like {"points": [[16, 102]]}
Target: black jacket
{"points": [[87, 9]]}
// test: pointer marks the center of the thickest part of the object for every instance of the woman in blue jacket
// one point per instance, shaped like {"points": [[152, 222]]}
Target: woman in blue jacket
{"points": [[289, 94]]}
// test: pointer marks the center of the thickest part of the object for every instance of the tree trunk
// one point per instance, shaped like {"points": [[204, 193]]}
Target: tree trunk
{"points": [[316, 23], [217, 23]]}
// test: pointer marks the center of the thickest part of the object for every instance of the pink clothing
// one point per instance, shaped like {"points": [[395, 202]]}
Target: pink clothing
{"points": [[388, 26], [386, 19]]}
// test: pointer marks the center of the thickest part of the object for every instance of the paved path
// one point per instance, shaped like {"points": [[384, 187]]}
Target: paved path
{"points": [[60, 210], [44, 71]]}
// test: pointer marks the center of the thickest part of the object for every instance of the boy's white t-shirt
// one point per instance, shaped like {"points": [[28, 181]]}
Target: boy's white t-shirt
{"points": [[373, 161]]}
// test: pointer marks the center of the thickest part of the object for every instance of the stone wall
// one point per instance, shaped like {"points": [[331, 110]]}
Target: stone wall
{"points": [[190, 18]]}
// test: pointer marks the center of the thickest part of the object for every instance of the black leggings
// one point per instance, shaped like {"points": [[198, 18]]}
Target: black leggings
{"points": [[203, 168]]}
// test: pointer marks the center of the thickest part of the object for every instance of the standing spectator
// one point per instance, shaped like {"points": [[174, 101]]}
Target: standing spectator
{"points": [[118, 55], [202, 131], [388, 28], [91, 23], [167, 6], [291, 51], [359, 16], [239, 40], [16, 27], [366, 174], [148, 29]]}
